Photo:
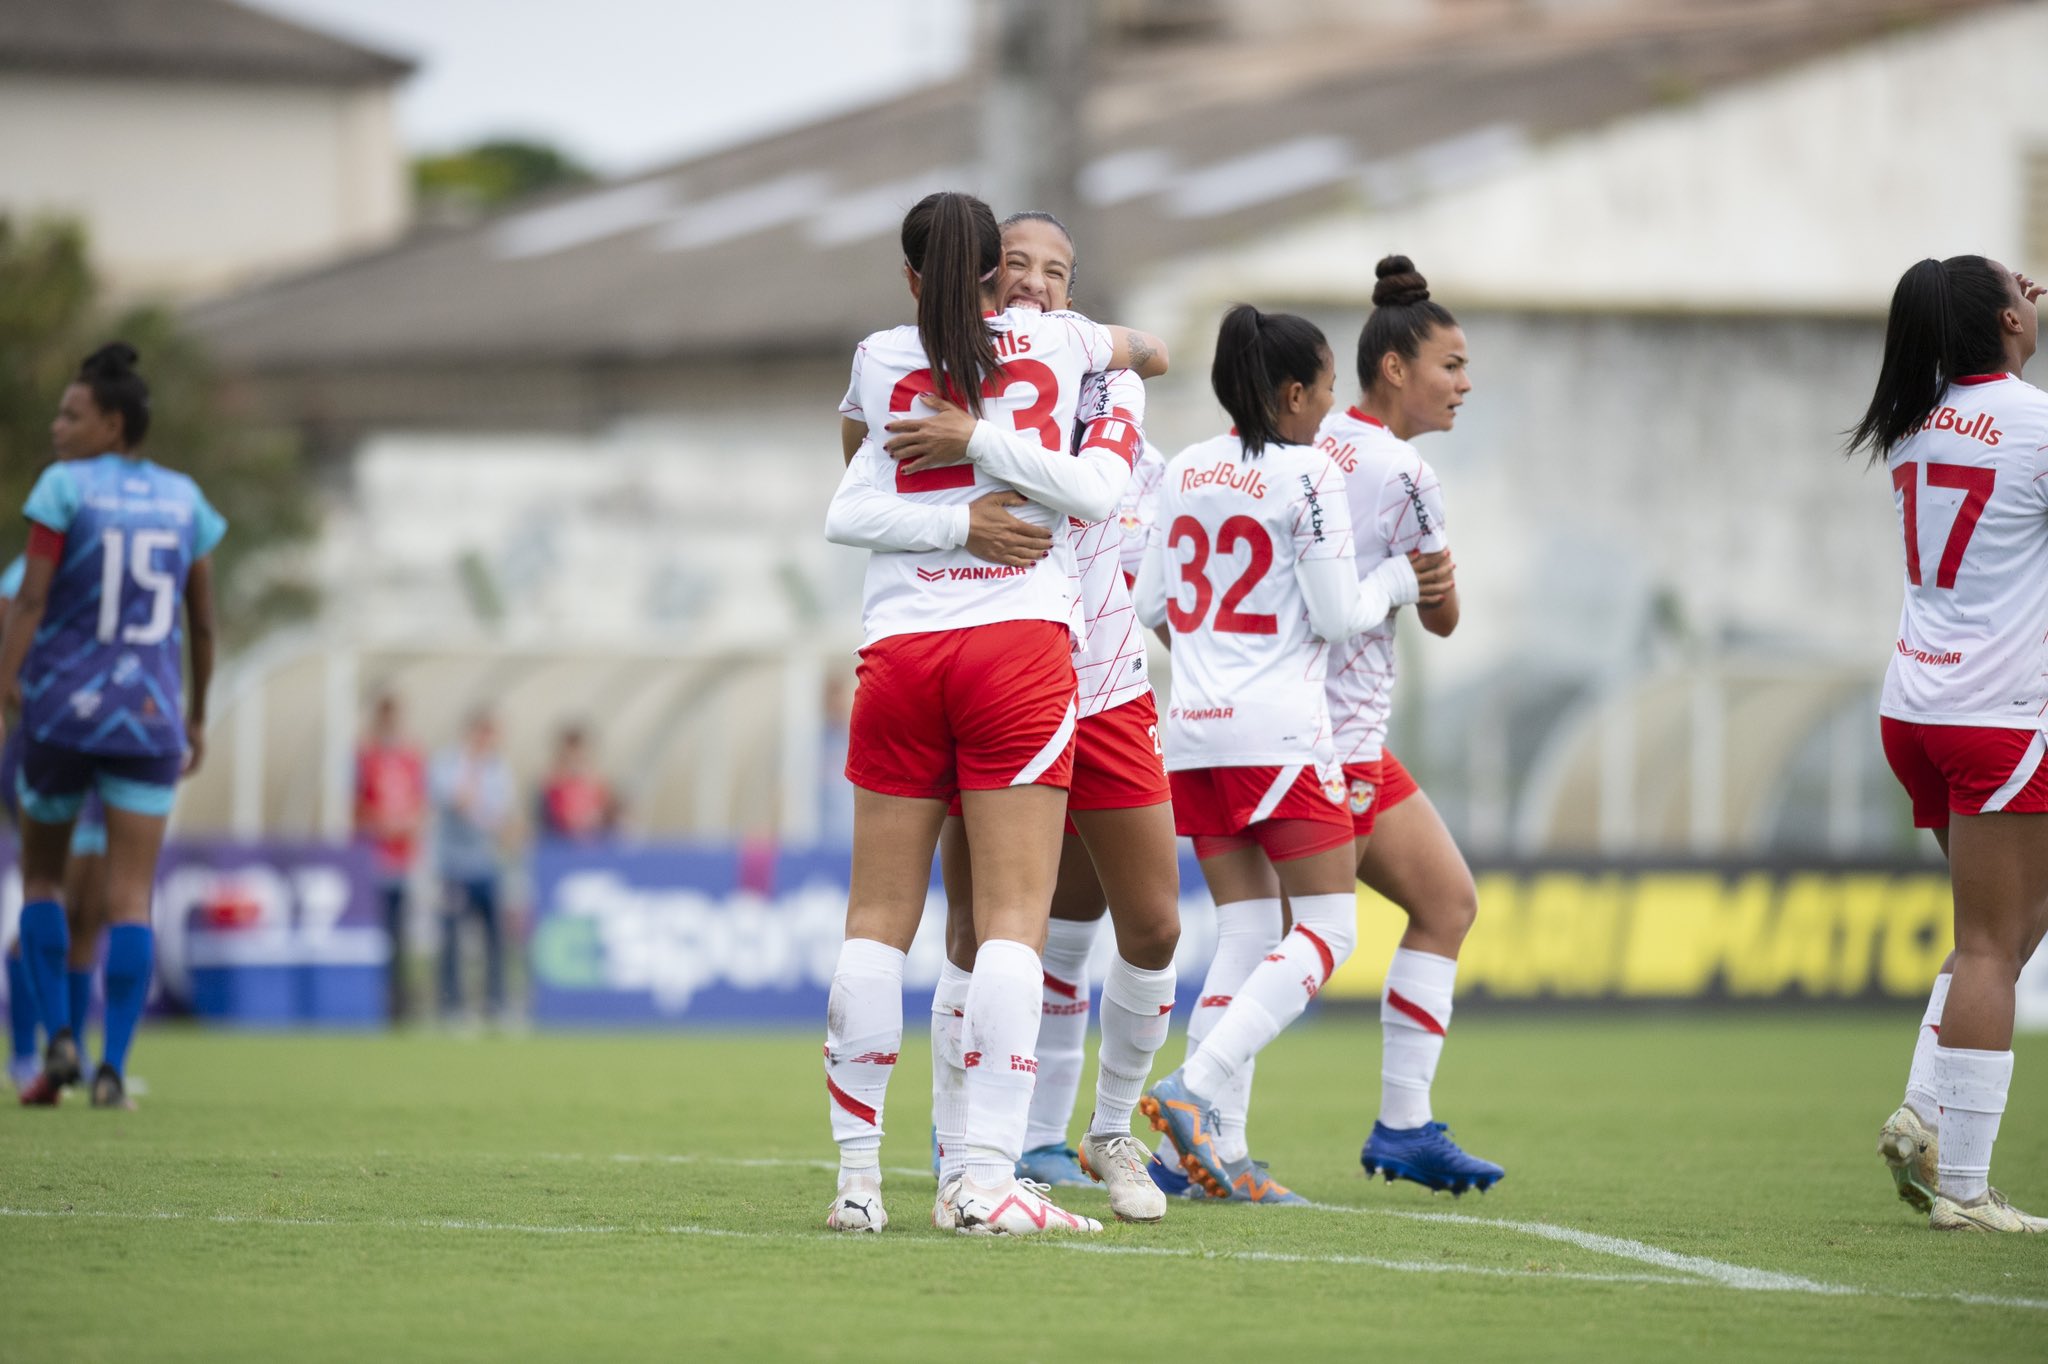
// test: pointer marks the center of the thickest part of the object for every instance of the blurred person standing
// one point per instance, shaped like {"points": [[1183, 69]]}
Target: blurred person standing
{"points": [[577, 805], [472, 792], [391, 814]]}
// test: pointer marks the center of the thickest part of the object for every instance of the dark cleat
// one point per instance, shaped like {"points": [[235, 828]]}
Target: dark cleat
{"points": [[108, 1091], [60, 1060], [41, 1092]]}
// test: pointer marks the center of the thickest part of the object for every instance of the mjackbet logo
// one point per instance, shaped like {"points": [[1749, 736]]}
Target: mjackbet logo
{"points": [[600, 932]]}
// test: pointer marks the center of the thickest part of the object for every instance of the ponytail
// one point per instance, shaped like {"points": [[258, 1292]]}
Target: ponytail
{"points": [[1256, 353], [952, 243], [1943, 326]]}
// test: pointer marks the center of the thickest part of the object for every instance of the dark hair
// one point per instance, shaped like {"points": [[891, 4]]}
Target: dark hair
{"points": [[952, 242], [1943, 326], [1402, 316], [109, 373], [1255, 354], [1039, 215]]}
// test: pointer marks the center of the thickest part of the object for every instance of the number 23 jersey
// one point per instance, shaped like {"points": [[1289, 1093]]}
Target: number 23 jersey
{"points": [[1232, 532], [1036, 390], [1971, 490], [103, 674]]}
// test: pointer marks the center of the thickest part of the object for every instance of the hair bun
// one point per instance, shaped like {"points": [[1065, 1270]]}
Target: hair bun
{"points": [[116, 357], [1400, 283]]}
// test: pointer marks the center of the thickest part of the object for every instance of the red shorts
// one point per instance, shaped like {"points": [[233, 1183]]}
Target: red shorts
{"points": [[1966, 770], [1226, 808], [1118, 764], [951, 710], [1376, 788]]}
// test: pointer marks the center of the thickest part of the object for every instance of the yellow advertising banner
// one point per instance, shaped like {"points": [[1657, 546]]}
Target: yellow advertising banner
{"points": [[1684, 934]]}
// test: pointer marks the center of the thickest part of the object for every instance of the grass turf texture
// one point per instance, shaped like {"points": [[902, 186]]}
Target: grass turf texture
{"points": [[319, 1198]]}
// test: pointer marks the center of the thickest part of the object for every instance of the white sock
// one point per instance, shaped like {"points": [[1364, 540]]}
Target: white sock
{"points": [[1920, 1095], [1062, 1032], [1246, 930], [1971, 1086], [863, 1033], [1137, 1009], [1325, 930], [949, 1077], [1415, 1010], [1000, 1030]]}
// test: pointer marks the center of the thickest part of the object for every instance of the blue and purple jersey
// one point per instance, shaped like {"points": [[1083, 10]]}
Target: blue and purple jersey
{"points": [[104, 673]]}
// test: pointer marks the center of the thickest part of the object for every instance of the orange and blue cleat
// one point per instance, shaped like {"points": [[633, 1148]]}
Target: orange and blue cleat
{"points": [[1189, 1122]]}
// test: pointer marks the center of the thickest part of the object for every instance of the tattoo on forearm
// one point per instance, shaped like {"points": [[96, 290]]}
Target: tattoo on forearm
{"points": [[1143, 349]]}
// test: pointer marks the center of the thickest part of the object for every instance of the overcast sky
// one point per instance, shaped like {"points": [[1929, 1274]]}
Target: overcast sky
{"points": [[627, 84]]}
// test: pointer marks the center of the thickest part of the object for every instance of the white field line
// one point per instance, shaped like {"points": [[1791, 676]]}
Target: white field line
{"points": [[1792, 1284]]}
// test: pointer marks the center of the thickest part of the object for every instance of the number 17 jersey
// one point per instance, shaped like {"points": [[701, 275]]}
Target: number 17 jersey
{"points": [[104, 674], [1971, 490]]}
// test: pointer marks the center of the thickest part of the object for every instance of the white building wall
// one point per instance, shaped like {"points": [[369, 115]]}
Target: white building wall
{"points": [[190, 187]]}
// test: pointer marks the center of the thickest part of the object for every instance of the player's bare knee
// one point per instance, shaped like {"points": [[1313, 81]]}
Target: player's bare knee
{"points": [[1149, 942]]}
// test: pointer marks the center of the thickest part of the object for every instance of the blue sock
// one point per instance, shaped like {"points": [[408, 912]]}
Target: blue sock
{"points": [[21, 1009], [45, 943], [79, 996], [130, 950]]}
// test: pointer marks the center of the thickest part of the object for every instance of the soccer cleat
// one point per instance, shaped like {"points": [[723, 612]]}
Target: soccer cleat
{"points": [[1252, 1182], [1989, 1213], [1056, 1167], [22, 1071], [1117, 1160], [60, 1059], [944, 1215], [856, 1207], [1909, 1149], [1172, 1180], [1427, 1155], [1016, 1208], [108, 1091], [41, 1092], [1189, 1122]]}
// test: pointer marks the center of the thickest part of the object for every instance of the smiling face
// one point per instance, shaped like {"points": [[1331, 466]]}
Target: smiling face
{"points": [[1431, 388], [1038, 266], [82, 429]]}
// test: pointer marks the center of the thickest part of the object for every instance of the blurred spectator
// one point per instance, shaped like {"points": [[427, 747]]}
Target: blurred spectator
{"points": [[835, 792], [391, 813], [576, 804], [473, 806]]}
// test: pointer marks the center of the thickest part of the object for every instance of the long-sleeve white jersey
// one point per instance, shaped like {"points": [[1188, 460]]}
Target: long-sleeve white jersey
{"points": [[1111, 664], [1250, 564], [1140, 507], [1035, 394], [1396, 506], [1971, 489]]}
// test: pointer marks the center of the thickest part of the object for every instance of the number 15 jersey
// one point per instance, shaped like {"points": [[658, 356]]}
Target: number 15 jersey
{"points": [[103, 674], [1971, 490], [1232, 534]]}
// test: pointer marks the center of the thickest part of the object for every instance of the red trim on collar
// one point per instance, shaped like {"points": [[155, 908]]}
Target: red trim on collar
{"points": [[1974, 379], [1368, 418]]}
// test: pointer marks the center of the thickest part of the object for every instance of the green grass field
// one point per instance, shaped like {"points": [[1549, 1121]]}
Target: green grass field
{"points": [[1683, 1187]]}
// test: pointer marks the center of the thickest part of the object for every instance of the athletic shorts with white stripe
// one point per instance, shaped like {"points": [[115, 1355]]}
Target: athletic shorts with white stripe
{"points": [[1967, 769], [976, 709]]}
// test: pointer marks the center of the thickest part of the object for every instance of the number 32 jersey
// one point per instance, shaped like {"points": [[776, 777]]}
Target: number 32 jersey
{"points": [[1971, 489], [1037, 390], [103, 674], [1232, 532]]}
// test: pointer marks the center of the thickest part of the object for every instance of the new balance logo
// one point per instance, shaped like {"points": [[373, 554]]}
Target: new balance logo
{"points": [[1312, 985], [970, 1060], [1274, 956], [875, 1058], [1211, 1002], [1027, 1064]]}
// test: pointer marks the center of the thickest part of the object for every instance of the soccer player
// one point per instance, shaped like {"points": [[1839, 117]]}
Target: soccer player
{"points": [[1119, 829], [1251, 565], [91, 650], [1412, 378], [966, 686], [1962, 714]]}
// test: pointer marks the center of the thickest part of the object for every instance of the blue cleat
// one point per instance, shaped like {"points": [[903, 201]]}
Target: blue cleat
{"points": [[1189, 1122], [1428, 1156], [1171, 1181], [1252, 1182], [1057, 1166]]}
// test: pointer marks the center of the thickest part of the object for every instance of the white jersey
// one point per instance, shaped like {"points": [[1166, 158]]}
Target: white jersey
{"points": [[1037, 390], [1971, 488], [1141, 507], [1233, 533], [1111, 664], [1397, 505]]}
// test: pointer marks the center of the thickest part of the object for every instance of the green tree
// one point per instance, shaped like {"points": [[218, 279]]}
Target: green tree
{"points": [[489, 175], [51, 316]]}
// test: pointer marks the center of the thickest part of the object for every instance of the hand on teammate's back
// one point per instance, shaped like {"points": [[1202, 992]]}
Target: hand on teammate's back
{"points": [[995, 535], [1433, 575], [934, 441]]}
